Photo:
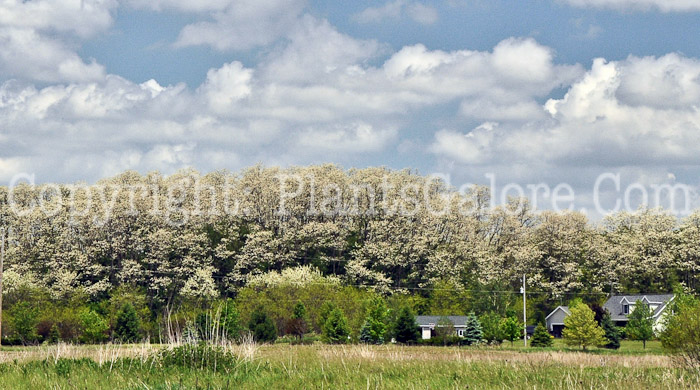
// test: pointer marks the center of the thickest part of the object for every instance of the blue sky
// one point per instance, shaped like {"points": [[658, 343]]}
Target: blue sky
{"points": [[541, 91]]}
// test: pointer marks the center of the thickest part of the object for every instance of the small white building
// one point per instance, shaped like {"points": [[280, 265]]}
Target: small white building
{"points": [[428, 324]]}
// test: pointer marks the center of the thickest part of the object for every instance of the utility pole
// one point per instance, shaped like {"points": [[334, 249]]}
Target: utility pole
{"points": [[524, 314]]}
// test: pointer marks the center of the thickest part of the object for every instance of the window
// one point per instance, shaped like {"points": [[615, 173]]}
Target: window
{"points": [[626, 309], [460, 332]]}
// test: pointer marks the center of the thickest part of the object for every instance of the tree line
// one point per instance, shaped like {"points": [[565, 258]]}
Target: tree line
{"points": [[189, 240]]}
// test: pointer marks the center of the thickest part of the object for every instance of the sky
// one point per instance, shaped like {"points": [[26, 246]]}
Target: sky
{"points": [[539, 92]]}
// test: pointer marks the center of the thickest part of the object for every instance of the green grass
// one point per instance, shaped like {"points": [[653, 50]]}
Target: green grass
{"points": [[626, 347], [353, 367]]}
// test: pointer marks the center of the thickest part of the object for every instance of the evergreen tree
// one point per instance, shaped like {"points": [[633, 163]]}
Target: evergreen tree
{"points": [[581, 329], [374, 327], [472, 332], [336, 329], [262, 327], [230, 320], [612, 332], [641, 324], [541, 337], [128, 326], [511, 329], [406, 330]]}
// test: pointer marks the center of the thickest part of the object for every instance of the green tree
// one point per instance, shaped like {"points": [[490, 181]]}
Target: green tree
{"points": [[491, 327], [230, 320], [374, 327], [262, 326], [24, 320], [511, 329], [94, 327], [324, 313], [128, 326], [336, 329], [406, 329], [298, 324], [541, 338], [641, 324], [473, 333], [581, 329], [612, 332], [682, 332]]}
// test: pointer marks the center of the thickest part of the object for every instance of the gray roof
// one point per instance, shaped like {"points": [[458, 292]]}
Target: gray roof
{"points": [[427, 320], [615, 303]]}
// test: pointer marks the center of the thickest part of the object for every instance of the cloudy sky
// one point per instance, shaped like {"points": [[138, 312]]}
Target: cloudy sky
{"points": [[540, 91]]}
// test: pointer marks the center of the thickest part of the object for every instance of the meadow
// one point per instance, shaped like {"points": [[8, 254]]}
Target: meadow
{"points": [[283, 366]]}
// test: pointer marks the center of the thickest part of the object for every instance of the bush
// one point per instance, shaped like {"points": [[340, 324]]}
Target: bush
{"points": [[336, 330], [94, 327], [541, 338], [374, 327], [128, 326], [54, 334], [491, 327], [262, 327], [198, 356], [24, 320]]}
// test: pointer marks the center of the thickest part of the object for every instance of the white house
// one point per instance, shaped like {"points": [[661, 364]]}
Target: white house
{"points": [[428, 324], [619, 307]]}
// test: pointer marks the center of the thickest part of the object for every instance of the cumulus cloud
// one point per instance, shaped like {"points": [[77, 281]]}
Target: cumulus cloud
{"points": [[243, 24], [418, 12], [662, 5], [293, 107], [640, 112], [33, 38]]}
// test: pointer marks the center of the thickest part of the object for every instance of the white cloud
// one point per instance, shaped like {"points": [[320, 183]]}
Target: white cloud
{"points": [[243, 24], [640, 112], [418, 12], [319, 98], [34, 36], [662, 5]]}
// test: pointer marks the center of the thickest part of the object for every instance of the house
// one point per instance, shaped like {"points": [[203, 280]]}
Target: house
{"points": [[555, 320], [428, 324], [619, 307]]}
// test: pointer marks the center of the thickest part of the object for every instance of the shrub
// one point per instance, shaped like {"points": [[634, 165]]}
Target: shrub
{"points": [[262, 327], [491, 327], [198, 356], [24, 321], [128, 326], [54, 334], [94, 327], [336, 330], [541, 338]]}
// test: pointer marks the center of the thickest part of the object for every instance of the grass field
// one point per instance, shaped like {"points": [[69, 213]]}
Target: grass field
{"points": [[345, 367]]}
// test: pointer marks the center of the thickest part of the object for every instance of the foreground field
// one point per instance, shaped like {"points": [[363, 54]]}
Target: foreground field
{"points": [[351, 367]]}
